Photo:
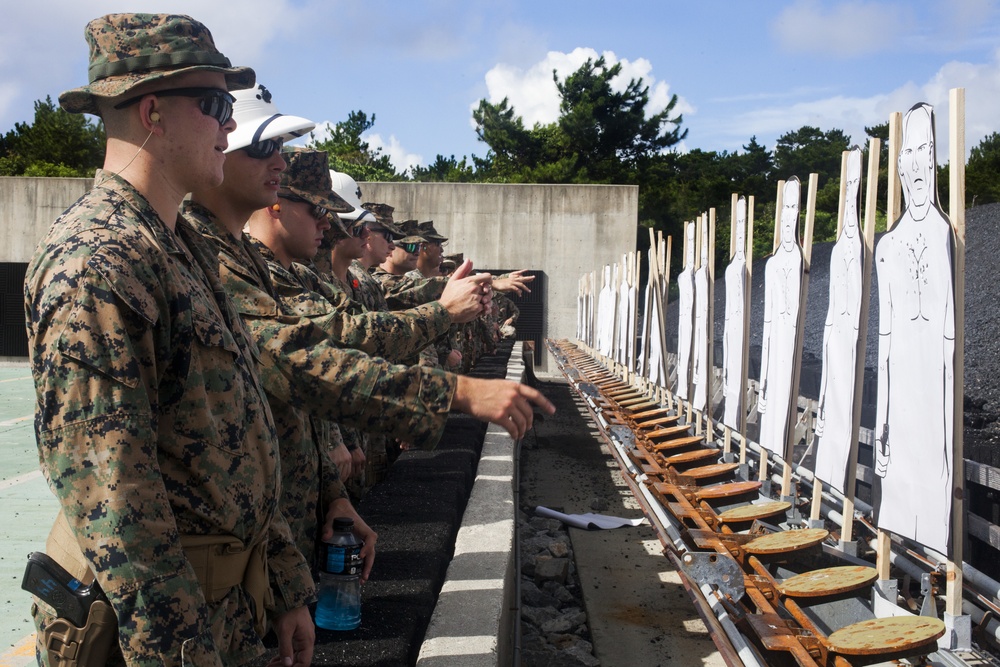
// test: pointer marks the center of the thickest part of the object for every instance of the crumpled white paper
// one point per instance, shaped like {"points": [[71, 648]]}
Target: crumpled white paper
{"points": [[590, 521]]}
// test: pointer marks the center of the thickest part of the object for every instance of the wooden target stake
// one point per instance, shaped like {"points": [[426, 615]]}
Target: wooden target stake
{"points": [[956, 212], [727, 433], [893, 205], [664, 274], [709, 326], [746, 332]]}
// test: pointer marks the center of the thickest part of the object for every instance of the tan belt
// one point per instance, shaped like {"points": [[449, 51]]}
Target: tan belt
{"points": [[219, 561]]}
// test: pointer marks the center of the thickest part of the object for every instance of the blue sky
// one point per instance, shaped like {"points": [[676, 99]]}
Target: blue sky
{"points": [[740, 68]]}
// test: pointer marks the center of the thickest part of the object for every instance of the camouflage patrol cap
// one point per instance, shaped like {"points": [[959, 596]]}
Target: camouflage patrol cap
{"points": [[308, 178], [457, 257], [383, 218], [428, 232], [411, 232], [129, 49]]}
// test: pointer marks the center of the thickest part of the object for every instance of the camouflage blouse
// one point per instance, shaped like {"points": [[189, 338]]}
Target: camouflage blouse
{"points": [[152, 423]]}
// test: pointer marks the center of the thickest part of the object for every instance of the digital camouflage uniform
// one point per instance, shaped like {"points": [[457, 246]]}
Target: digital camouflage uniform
{"points": [[359, 484], [394, 335], [397, 336], [152, 423], [409, 289], [402, 292], [369, 290], [310, 480], [369, 293], [506, 310]]}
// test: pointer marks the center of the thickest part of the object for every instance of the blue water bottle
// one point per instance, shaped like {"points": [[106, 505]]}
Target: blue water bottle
{"points": [[339, 606]]}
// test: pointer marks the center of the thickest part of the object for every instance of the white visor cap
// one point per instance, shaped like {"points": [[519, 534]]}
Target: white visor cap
{"points": [[257, 119], [350, 191]]}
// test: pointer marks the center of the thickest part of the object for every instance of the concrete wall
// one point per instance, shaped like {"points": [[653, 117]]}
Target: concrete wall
{"points": [[473, 624], [27, 208], [563, 230]]}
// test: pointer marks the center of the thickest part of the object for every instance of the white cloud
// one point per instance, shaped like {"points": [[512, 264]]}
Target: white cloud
{"points": [[400, 157], [844, 30], [534, 96], [852, 114]]}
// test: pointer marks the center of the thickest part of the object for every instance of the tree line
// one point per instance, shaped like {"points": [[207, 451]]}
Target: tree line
{"points": [[602, 136]]}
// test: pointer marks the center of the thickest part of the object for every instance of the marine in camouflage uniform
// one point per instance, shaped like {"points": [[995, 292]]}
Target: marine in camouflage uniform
{"points": [[396, 336], [392, 335], [402, 290], [309, 379], [507, 314], [310, 480], [369, 290], [151, 421]]}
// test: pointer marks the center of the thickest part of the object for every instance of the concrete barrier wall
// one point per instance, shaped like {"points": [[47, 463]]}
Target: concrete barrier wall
{"points": [[473, 624], [27, 208], [562, 230]]}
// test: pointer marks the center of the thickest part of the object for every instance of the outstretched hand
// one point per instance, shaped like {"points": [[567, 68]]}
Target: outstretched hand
{"points": [[465, 295], [501, 402], [515, 282]]}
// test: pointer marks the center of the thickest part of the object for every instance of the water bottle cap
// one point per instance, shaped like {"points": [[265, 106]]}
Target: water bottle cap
{"points": [[343, 524]]}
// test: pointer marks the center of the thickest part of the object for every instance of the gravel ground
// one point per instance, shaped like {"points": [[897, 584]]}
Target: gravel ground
{"points": [[636, 609]]}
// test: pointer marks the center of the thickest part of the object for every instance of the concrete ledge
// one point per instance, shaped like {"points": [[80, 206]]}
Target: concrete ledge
{"points": [[473, 622]]}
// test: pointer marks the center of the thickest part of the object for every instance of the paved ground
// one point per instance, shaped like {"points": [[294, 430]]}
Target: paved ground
{"points": [[28, 510], [636, 606]]}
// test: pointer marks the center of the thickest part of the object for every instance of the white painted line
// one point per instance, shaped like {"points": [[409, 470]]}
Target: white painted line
{"points": [[20, 654], [443, 646], [26, 377], [18, 420], [472, 585], [494, 478], [20, 479], [496, 458]]}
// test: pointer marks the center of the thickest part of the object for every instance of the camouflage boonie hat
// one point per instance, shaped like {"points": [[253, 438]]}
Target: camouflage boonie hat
{"points": [[457, 257], [129, 49], [308, 178], [411, 233], [428, 232], [383, 218]]}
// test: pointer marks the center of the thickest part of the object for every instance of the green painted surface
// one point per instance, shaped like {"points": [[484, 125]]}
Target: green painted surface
{"points": [[28, 510]]}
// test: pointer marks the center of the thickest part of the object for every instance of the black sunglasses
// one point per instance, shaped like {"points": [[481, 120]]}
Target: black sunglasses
{"points": [[318, 212], [412, 248], [262, 150], [214, 102], [384, 233], [358, 230]]}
